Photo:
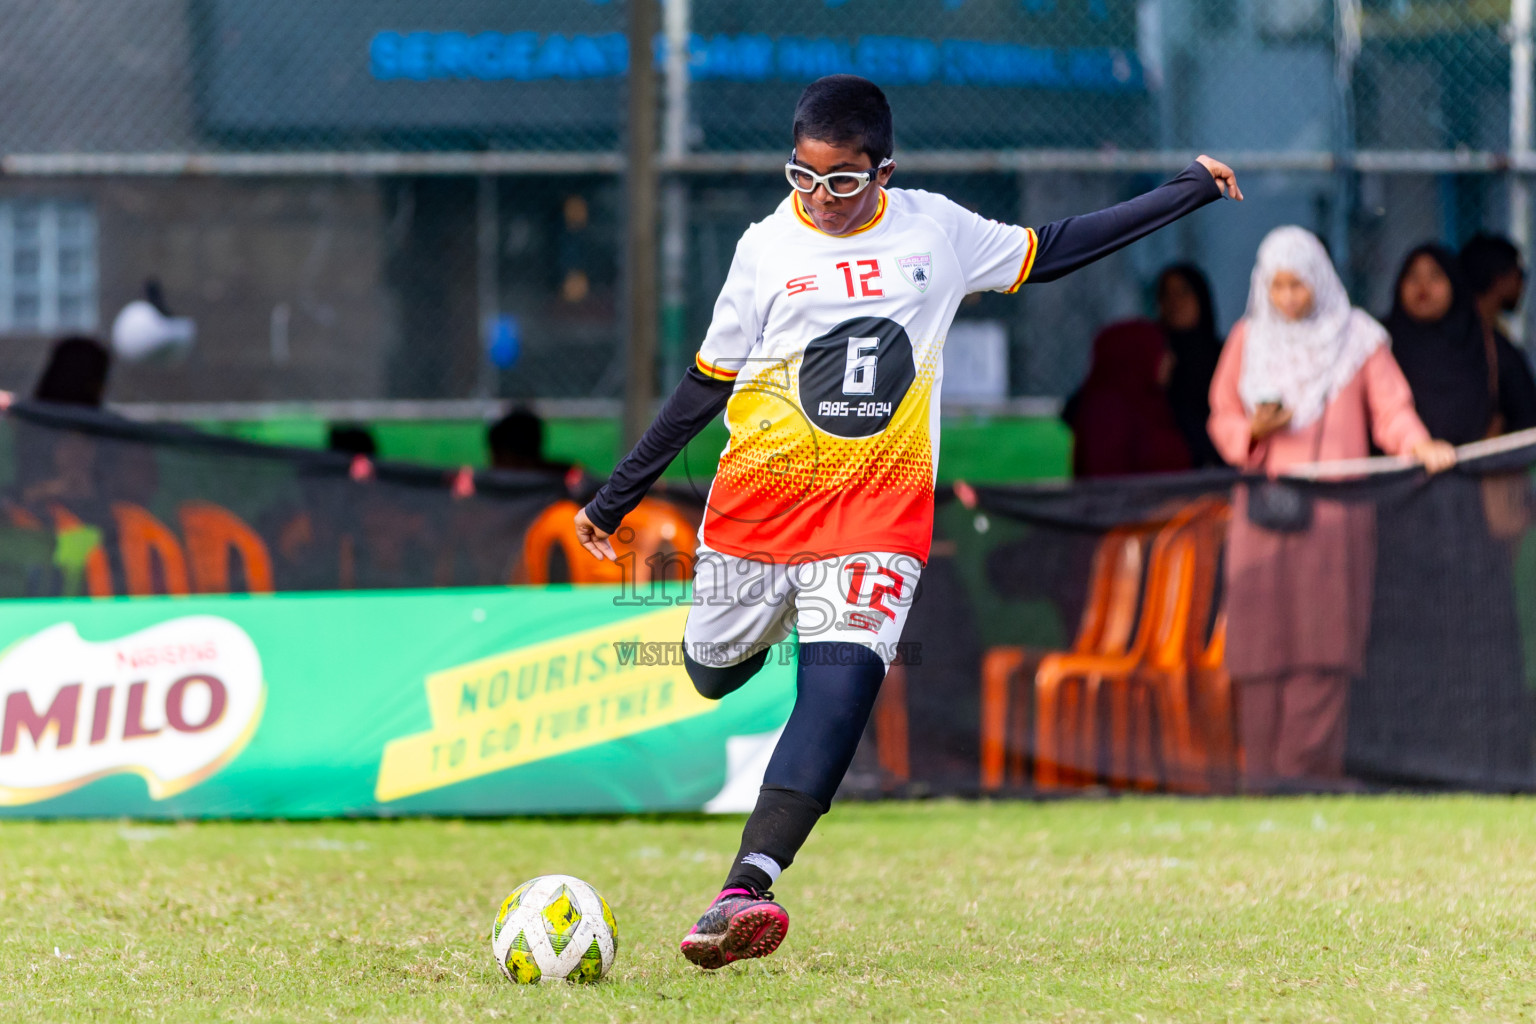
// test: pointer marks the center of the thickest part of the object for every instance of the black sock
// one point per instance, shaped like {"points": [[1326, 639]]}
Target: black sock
{"points": [[778, 827]]}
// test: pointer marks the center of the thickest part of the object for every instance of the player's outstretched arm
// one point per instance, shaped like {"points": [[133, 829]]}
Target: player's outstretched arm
{"points": [[697, 400], [1068, 245]]}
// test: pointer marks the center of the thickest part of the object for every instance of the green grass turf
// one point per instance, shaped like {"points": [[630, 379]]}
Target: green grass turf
{"points": [[1135, 909]]}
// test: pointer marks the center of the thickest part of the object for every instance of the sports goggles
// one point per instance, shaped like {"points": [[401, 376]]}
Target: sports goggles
{"points": [[842, 184]]}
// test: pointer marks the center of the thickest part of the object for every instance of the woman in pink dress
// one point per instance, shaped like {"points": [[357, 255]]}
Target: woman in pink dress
{"points": [[1304, 377]]}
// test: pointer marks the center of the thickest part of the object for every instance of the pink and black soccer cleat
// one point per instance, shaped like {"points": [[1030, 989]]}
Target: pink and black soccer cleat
{"points": [[739, 925]]}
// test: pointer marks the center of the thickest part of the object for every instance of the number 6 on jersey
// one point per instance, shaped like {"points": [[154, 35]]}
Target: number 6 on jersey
{"points": [[859, 374]]}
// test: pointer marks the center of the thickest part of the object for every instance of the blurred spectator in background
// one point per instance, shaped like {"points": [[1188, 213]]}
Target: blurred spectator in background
{"points": [[145, 331], [1121, 421], [76, 373], [1443, 698], [63, 465], [1188, 318], [352, 439], [1494, 271], [516, 441], [1304, 377], [1466, 384]]}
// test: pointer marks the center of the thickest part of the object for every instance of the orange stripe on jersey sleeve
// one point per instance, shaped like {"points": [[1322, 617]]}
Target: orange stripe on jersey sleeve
{"points": [[709, 369], [1029, 261]]}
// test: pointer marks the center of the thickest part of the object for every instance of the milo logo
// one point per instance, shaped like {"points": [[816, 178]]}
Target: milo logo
{"points": [[173, 703]]}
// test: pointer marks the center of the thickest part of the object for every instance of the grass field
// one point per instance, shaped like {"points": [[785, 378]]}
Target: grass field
{"points": [[1136, 909]]}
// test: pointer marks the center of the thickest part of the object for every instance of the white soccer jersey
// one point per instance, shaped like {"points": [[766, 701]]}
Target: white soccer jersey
{"points": [[835, 344]]}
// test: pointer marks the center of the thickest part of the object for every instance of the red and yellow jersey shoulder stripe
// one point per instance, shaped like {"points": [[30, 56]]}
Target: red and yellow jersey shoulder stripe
{"points": [[1029, 262], [709, 369]]}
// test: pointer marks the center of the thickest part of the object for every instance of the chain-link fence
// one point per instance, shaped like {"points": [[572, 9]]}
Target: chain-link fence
{"points": [[373, 200]]}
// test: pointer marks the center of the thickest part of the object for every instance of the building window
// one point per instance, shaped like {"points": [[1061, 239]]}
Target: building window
{"points": [[47, 266]]}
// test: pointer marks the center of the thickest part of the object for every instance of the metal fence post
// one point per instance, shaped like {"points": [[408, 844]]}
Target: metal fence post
{"points": [[487, 278], [640, 248], [674, 206], [1346, 50], [1520, 136]]}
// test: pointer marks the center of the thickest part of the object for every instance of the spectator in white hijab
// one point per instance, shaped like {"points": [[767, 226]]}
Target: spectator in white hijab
{"points": [[1304, 377]]}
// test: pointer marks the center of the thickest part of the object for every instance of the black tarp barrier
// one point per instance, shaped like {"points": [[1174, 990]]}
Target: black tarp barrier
{"points": [[1146, 634], [94, 504], [1139, 633]]}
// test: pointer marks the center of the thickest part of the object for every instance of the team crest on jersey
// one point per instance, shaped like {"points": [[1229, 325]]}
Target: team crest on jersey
{"points": [[917, 269]]}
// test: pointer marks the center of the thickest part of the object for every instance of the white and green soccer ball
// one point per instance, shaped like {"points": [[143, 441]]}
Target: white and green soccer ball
{"points": [[554, 928]]}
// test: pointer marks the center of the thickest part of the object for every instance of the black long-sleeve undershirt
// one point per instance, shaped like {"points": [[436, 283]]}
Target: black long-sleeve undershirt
{"points": [[1073, 243], [697, 400], [1064, 246]]}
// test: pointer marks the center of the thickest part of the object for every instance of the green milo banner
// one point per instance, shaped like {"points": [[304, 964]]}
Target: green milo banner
{"points": [[497, 701]]}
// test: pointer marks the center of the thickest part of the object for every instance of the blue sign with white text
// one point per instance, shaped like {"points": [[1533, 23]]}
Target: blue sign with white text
{"points": [[890, 60], [515, 74]]}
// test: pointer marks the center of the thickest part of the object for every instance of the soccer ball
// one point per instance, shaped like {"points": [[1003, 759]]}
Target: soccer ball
{"points": [[554, 928]]}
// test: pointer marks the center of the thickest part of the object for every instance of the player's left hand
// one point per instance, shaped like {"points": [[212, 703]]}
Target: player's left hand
{"points": [[594, 539], [1226, 178]]}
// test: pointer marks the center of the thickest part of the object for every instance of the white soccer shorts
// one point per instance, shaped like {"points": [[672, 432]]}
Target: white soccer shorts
{"points": [[741, 606]]}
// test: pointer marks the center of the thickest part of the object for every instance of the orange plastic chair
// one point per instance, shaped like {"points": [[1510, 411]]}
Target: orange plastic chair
{"points": [[212, 532], [1002, 755], [1186, 683], [656, 543], [1210, 762], [1216, 715], [1160, 734], [1007, 674], [892, 747], [142, 540], [1070, 688], [1150, 730]]}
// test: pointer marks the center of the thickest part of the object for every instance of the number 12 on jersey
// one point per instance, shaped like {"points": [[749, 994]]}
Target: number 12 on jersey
{"points": [[878, 592], [867, 278]]}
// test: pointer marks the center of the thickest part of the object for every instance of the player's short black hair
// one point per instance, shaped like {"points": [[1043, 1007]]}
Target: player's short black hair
{"points": [[843, 109], [1486, 258]]}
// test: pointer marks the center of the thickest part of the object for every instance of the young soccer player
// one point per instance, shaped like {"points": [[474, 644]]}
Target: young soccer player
{"points": [[825, 355]]}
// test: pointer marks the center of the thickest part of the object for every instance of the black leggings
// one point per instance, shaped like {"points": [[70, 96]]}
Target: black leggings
{"points": [[835, 689]]}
